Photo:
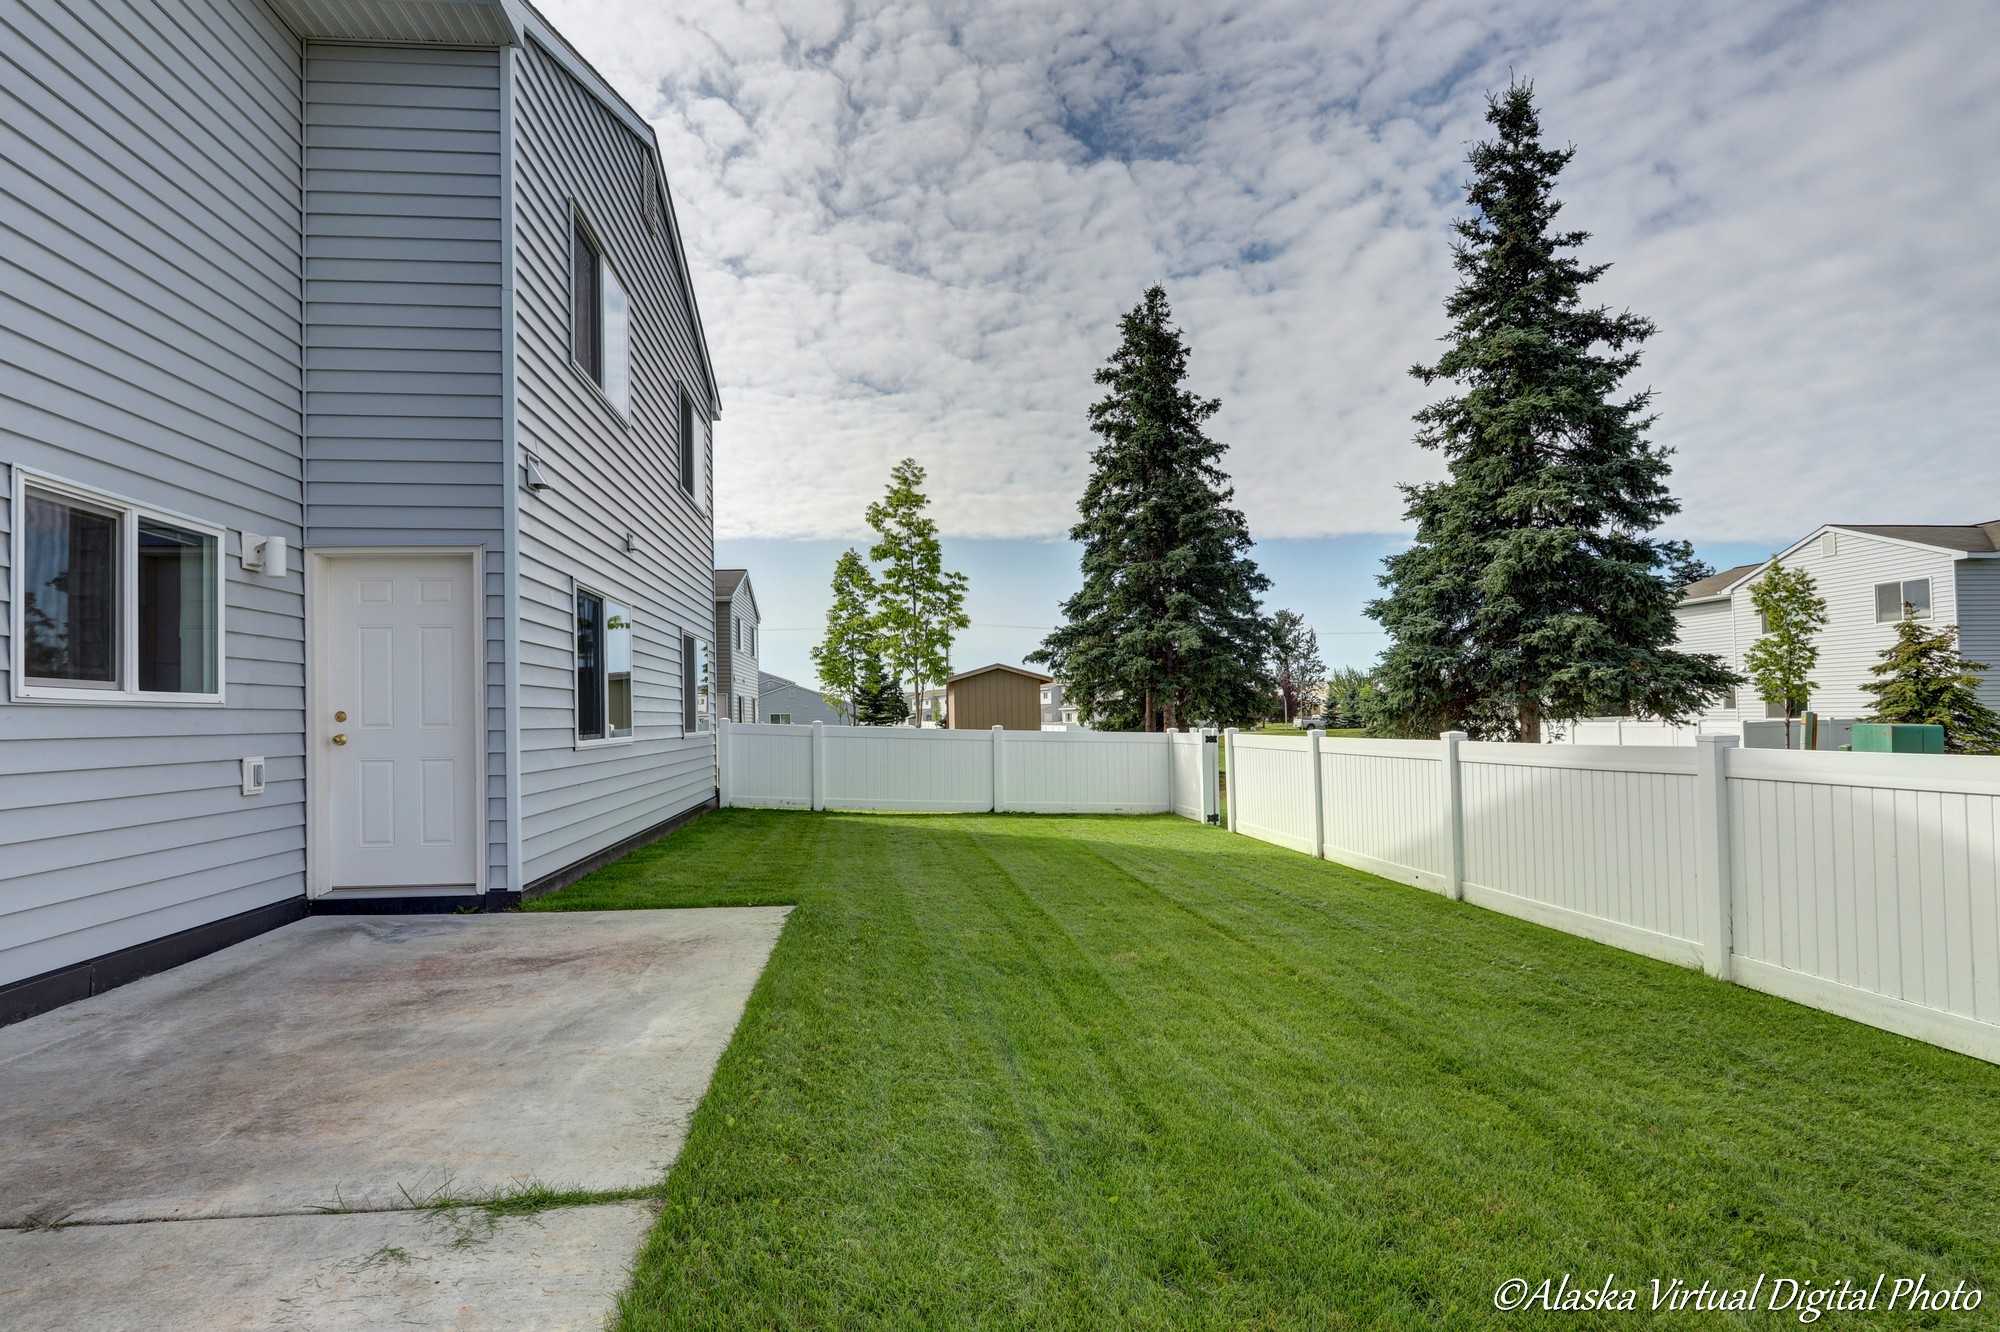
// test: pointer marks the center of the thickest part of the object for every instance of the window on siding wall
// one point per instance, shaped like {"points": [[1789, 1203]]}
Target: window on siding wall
{"points": [[603, 668], [116, 602], [600, 320], [687, 445], [1892, 598], [694, 684]]}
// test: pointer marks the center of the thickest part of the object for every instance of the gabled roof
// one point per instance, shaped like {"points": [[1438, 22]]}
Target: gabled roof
{"points": [[550, 39], [727, 581], [1716, 584], [998, 666], [1968, 539], [1975, 539]]}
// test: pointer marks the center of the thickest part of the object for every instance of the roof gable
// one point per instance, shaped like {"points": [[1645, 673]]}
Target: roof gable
{"points": [[1000, 666]]}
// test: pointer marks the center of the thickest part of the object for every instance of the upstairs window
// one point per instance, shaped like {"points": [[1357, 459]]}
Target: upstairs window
{"points": [[1892, 598], [117, 603], [603, 668], [600, 320], [690, 453]]}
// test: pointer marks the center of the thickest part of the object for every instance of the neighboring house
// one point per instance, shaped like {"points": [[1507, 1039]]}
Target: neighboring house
{"points": [[783, 702], [1056, 713], [354, 475], [932, 712], [996, 695], [1865, 573], [736, 620]]}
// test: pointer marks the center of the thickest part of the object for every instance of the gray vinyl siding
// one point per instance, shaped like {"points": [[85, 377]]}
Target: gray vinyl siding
{"points": [[735, 671], [149, 347], [1979, 621], [403, 356], [608, 477]]}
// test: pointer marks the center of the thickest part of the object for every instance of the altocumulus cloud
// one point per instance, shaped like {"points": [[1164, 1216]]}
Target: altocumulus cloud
{"points": [[913, 227]]}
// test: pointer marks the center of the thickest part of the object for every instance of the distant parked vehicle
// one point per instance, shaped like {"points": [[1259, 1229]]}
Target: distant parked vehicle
{"points": [[1310, 723]]}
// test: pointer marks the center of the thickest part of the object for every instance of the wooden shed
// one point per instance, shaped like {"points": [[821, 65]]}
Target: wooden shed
{"points": [[996, 695]]}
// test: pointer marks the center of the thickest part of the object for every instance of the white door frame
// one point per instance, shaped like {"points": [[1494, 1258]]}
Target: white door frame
{"points": [[319, 752]]}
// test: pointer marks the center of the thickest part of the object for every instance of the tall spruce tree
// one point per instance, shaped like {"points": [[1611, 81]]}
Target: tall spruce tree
{"points": [[1166, 630], [920, 603], [1534, 591]]}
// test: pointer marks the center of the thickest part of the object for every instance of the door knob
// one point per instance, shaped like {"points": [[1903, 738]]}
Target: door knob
{"points": [[340, 739]]}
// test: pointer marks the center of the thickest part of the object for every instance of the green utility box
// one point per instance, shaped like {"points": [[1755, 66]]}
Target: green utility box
{"points": [[1897, 738]]}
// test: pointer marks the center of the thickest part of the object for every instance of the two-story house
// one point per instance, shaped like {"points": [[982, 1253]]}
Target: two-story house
{"points": [[354, 474], [1867, 575], [736, 622]]}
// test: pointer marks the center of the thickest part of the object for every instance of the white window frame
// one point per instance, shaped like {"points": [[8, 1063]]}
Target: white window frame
{"points": [[580, 221], [1930, 604], [607, 740], [130, 511]]}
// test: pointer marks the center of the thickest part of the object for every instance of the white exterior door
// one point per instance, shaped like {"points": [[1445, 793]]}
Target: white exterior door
{"points": [[397, 722]]}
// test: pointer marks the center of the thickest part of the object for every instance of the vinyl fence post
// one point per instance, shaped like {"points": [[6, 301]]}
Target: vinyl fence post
{"points": [[1211, 776], [723, 735], [1229, 762], [1711, 832], [1454, 818], [819, 766], [999, 769], [1319, 805]]}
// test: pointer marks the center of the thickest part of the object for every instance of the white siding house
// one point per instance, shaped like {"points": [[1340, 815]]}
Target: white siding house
{"points": [[1951, 573], [354, 475]]}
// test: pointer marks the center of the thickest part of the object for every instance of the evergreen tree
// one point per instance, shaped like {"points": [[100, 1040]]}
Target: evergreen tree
{"points": [[1296, 667], [1781, 662], [921, 603], [1166, 630], [1533, 592], [850, 640], [879, 699], [1923, 679]]}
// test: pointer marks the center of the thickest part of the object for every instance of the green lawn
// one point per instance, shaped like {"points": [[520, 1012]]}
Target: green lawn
{"points": [[1008, 1071]]}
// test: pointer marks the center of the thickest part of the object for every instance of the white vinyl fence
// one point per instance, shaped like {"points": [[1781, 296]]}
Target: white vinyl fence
{"points": [[907, 768], [1864, 884]]}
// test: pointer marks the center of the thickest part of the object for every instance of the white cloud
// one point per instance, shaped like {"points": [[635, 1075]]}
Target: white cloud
{"points": [[913, 229]]}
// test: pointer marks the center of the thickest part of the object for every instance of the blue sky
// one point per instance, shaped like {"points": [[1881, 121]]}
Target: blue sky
{"points": [[913, 227]]}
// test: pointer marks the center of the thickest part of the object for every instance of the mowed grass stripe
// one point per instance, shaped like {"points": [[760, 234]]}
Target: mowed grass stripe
{"points": [[1010, 1071]]}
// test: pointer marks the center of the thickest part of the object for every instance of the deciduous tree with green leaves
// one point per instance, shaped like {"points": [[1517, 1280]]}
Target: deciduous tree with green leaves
{"points": [[1534, 591], [920, 603], [1348, 692], [1296, 667], [1923, 679], [1782, 660], [1166, 630], [850, 642]]}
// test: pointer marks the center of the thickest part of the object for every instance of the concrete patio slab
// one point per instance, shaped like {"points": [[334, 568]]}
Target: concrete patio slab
{"points": [[354, 1059], [188, 1131], [557, 1269]]}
